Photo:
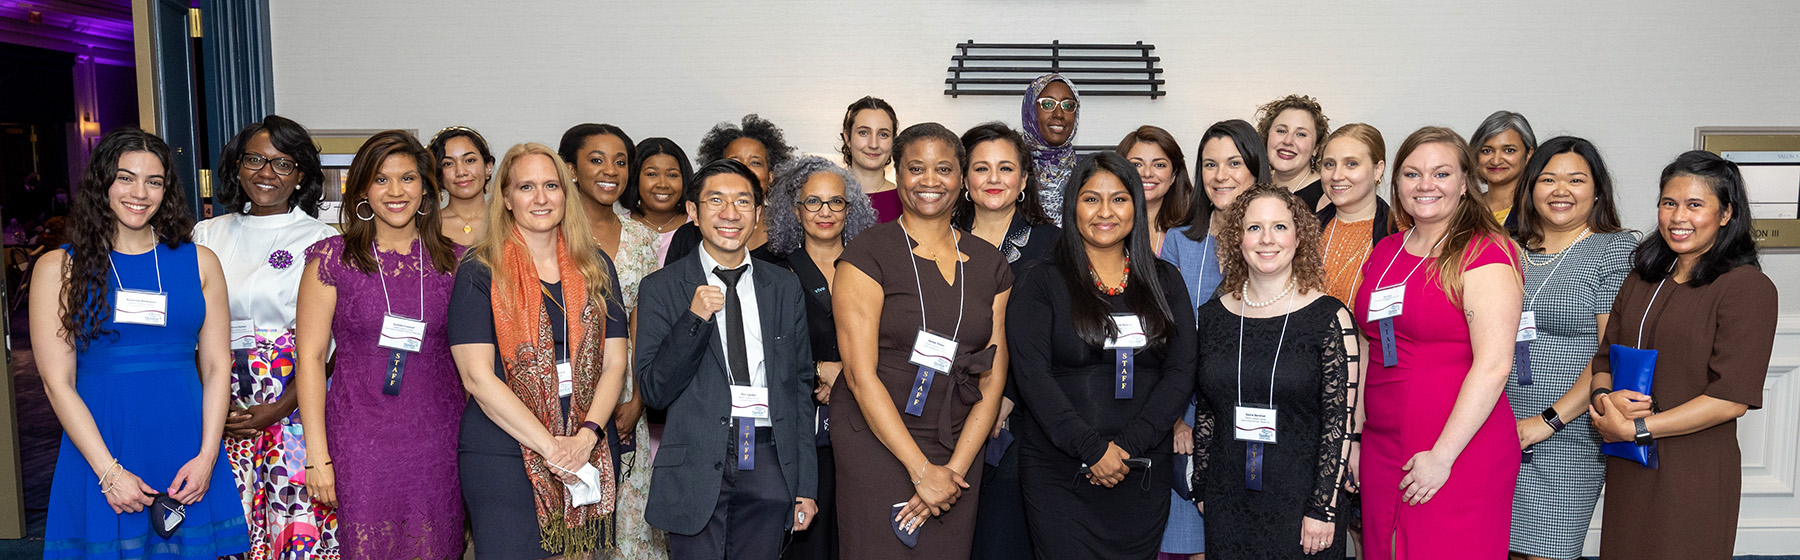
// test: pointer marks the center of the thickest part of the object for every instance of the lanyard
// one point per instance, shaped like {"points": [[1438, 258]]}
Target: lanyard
{"points": [[1532, 304], [1201, 277], [565, 326], [1390, 265], [420, 252], [1647, 308], [962, 283], [153, 255], [1244, 308]]}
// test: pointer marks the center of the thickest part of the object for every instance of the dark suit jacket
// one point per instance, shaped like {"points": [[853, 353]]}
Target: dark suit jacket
{"points": [[681, 367]]}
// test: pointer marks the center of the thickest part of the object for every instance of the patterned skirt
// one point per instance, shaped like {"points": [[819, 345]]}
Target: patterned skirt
{"points": [[271, 468]]}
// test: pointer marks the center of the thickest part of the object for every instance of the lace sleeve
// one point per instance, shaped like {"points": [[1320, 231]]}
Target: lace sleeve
{"points": [[1205, 428], [1337, 370], [325, 251]]}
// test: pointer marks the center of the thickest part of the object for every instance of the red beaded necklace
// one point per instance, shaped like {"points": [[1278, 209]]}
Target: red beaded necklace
{"points": [[1123, 279]]}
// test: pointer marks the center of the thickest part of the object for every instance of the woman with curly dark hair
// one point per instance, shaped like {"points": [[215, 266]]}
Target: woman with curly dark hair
{"points": [[1278, 397], [142, 411], [270, 185], [760, 146]]}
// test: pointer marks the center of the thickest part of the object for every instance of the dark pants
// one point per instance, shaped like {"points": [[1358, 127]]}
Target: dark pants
{"points": [[749, 522], [819, 541]]}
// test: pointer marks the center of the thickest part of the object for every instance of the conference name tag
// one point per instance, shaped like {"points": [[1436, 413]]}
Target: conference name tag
{"points": [[1131, 332], [1255, 424], [933, 351], [565, 379], [400, 333], [1385, 303], [141, 308], [243, 334], [750, 402], [1527, 327]]}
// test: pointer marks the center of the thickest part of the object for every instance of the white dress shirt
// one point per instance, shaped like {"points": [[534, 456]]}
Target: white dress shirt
{"points": [[753, 335]]}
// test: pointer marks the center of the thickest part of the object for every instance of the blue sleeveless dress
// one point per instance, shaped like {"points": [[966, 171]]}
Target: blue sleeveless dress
{"points": [[143, 390]]}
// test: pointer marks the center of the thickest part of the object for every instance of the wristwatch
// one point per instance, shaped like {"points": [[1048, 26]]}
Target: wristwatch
{"points": [[1553, 419], [1643, 436], [592, 426]]}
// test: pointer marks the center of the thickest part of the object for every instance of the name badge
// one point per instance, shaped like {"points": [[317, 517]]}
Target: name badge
{"points": [[1385, 303], [243, 334], [1255, 424], [565, 379], [750, 402], [933, 351], [1131, 332], [400, 333], [1527, 327], [141, 308]]}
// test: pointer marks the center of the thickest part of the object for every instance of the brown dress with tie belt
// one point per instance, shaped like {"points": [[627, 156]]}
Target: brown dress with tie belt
{"points": [[870, 480]]}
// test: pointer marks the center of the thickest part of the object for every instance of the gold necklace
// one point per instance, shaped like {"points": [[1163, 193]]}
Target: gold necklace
{"points": [[459, 217], [645, 219]]}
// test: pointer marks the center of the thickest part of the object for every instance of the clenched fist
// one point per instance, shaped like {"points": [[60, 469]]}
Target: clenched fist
{"points": [[708, 300]]}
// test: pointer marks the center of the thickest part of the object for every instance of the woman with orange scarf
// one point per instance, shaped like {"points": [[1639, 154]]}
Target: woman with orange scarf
{"points": [[544, 380]]}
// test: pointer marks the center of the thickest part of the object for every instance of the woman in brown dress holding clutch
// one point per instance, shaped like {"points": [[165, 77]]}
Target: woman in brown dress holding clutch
{"points": [[922, 331]]}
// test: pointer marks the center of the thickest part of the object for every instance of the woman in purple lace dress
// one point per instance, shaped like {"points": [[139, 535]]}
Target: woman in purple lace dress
{"points": [[381, 291]]}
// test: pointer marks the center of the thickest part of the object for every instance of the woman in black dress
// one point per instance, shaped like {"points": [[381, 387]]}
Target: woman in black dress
{"points": [[1104, 354], [1270, 470], [816, 208]]}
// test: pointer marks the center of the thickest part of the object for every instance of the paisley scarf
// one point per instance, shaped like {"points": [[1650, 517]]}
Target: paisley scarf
{"points": [[1054, 164], [528, 354]]}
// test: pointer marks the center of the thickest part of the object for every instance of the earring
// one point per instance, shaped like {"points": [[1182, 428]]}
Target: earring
{"points": [[1021, 195], [966, 196], [357, 210]]}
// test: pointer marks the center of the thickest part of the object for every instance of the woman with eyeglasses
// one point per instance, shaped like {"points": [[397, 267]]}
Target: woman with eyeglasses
{"points": [[129, 328], [271, 200], [373, 302], [465, 165], [827, 208], [1047, 119]]}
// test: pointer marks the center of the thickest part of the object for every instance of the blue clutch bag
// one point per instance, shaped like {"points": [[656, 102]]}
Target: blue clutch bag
{"points": [[1633, 370]]}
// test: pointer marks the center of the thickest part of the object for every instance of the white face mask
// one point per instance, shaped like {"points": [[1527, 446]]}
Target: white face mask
{"points": [[585, 491]]}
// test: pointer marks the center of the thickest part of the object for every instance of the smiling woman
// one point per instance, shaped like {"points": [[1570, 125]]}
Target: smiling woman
{"points": [[1291, 128], [1047, 119], [271, 189]]}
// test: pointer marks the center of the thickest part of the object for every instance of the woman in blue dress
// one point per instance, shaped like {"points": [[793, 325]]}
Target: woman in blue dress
{"points": [[117, 317]]}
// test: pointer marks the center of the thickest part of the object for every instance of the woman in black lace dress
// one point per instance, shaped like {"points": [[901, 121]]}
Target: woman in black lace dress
{"points": [[1270, 476]]}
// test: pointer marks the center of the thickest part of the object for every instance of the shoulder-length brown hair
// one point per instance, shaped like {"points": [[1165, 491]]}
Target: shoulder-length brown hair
{"points": [[1309, 259], [490, 249], [359, 234], [1175, 201], [1471, 225]]}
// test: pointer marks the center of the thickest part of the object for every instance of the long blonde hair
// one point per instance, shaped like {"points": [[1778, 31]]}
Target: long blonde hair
{"points": [[490, 249], [1471, 226]]}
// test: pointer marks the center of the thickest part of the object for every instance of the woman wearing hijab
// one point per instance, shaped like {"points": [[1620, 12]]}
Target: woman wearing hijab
{"points": [[1048, 116]]}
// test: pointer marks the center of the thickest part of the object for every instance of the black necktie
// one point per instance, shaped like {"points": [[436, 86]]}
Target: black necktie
{"points": [[737, 355]]}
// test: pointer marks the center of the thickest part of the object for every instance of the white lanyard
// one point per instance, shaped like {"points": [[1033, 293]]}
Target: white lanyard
{"points": [[1532, 304], [1243, 308], [1647, 308], [1201, 277], [420, 252], [961, 284], [153, 255], [1390, 265]]}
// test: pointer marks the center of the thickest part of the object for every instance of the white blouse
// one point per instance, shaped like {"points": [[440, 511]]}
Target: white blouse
{"points": [[264, 258]]}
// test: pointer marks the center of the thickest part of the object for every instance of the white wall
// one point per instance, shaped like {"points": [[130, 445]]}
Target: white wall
{"points": [[1634, 77]]}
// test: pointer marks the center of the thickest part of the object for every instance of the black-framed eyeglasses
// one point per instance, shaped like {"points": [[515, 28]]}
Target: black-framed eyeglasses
{"points": [[1068, 105], [813, 204], [255, 162]]}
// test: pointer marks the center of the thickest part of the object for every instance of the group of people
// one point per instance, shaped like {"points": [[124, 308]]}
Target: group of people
{"points": [[606, 349]]}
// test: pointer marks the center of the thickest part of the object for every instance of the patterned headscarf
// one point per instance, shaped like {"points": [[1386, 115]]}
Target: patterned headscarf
{"points": [[1054, 163]]}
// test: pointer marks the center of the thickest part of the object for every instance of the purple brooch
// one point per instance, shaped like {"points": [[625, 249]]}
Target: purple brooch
{"points": [[281, 259]]}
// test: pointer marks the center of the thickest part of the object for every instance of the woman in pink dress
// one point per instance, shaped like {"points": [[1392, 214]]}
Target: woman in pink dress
{"points": [[1440, 450]]}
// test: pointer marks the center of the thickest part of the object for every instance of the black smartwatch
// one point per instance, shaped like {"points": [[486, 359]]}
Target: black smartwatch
{"points": [[1643, 436], [1553, 419]]}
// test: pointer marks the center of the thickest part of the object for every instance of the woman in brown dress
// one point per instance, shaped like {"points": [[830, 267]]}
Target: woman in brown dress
{"points": [[910, 436], [1697, 296]]}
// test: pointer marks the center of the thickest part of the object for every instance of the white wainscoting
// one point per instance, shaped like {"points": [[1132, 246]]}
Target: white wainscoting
{"points": [[1769, 517]]}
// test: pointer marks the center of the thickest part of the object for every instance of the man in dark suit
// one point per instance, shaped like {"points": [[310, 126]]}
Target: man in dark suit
{"points": [[723, 347]]}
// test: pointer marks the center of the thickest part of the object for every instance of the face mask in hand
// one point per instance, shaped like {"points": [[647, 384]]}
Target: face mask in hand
{"points": [[585, 491]]}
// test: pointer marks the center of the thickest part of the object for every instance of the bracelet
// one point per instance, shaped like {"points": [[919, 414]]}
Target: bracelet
{"points": [[327, 463], [107, 477], [1554, 419], [1597, 393], [591, 426]]}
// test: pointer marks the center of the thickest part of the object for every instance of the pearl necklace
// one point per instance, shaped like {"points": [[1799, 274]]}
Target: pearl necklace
{"points": [[1244, 295]]}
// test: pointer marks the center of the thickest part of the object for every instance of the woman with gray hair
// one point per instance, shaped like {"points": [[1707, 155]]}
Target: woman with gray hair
{"points": [[815, 207], [1503, 143]]}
